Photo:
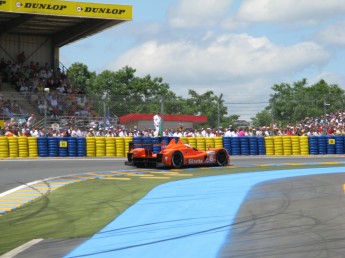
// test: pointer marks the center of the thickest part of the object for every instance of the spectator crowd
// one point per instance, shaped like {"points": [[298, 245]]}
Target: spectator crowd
{"points": [[331, 124], [32, 80]]}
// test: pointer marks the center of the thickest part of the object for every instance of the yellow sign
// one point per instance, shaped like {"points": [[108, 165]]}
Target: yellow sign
{"points": [[331, 141], [63, 144], [2, 123], [62, 8]]}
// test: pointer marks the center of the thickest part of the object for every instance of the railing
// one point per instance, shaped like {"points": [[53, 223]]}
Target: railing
{"points": [[82, 122]]}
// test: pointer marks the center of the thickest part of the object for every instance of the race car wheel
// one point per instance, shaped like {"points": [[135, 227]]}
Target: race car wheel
{"points": [[222, 158], [177, 159]]}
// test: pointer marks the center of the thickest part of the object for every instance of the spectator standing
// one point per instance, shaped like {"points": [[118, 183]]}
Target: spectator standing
{"points": [[157, 119]]}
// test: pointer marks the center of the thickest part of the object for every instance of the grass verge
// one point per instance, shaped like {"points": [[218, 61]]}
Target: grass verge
{"points": [[82, 209]]}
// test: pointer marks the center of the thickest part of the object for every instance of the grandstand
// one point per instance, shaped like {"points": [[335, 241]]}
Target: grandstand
{"points": [[31, 34]]}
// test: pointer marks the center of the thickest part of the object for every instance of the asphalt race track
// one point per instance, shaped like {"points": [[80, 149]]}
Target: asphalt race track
{"points": [[293, 216]]}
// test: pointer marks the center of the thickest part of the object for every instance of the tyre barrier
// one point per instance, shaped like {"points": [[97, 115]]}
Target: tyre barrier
{"points": [[120, 147], [81, 147], [72, 148], [331, 145], [253, 146], [287, 146], [339, 144], [227, 144], [322, 145], [209, 142], [296, 149], [62, 147], [33, 147], [137, 142], [304, 146], [192, 142], [13, 150], [269, 145], [183, 139], [53, 147], [110, 146], [261, 146], [156, 145], [278, 145], [201, 143], [90, 146], [42, 145], [22, 147], [244, 145], [100, 146], [127, 141], [23, 150], [314, 145], [3, 147]]}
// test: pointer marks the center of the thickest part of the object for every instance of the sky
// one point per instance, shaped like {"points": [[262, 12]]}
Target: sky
{"points": [[237, 48]]}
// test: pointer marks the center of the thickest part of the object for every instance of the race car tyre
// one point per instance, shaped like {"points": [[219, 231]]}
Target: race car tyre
{"points": [[177, 159], [222, 158]]}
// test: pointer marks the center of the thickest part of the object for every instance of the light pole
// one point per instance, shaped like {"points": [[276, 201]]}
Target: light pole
{"points": [[219, 99], [105, 99], [324, 119], [162, 117], [46, 90]]}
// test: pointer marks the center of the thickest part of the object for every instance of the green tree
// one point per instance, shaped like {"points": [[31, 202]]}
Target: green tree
{"points": [[122, 92], [207, 105], [125, 93], [80, 76], [262, 118], [292, 103]]}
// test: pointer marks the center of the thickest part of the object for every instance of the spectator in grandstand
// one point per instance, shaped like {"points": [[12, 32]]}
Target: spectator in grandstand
{"points": [[35, 132], [31, 120], [21, 58], [60, 89], [27, 132], [22, 86], [2, 65]]}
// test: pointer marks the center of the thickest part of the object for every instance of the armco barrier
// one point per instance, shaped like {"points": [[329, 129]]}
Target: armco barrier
{"points": [[22, 147]]}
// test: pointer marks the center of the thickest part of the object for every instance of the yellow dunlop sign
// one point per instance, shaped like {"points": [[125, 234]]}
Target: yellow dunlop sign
{"points": [[62, 8], [331, 141], [63, 144]]}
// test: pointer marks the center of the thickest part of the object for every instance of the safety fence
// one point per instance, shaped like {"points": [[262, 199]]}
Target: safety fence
{"points": [[32, 147]]}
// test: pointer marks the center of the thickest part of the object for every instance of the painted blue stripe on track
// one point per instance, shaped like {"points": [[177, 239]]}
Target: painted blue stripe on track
{"points": [[186, 218]]}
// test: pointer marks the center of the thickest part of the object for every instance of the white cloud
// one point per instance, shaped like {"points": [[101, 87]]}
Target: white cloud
{"points": [[219, 59], [194, 13], [333, 34], [330, 78], [291, 11]]}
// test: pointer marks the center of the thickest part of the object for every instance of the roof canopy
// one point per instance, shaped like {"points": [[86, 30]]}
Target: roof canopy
{"points": [[178, 118], [64, 21]]}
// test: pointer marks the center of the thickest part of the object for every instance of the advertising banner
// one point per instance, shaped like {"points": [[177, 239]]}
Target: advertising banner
{"points": [[64, 8]]}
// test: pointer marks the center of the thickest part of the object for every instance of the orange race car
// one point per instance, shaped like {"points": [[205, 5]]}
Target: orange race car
{"points": [[177, 155]]}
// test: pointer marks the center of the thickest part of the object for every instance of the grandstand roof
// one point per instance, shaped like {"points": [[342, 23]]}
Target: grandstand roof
{"points": [[178, 118], [65, 21]]}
